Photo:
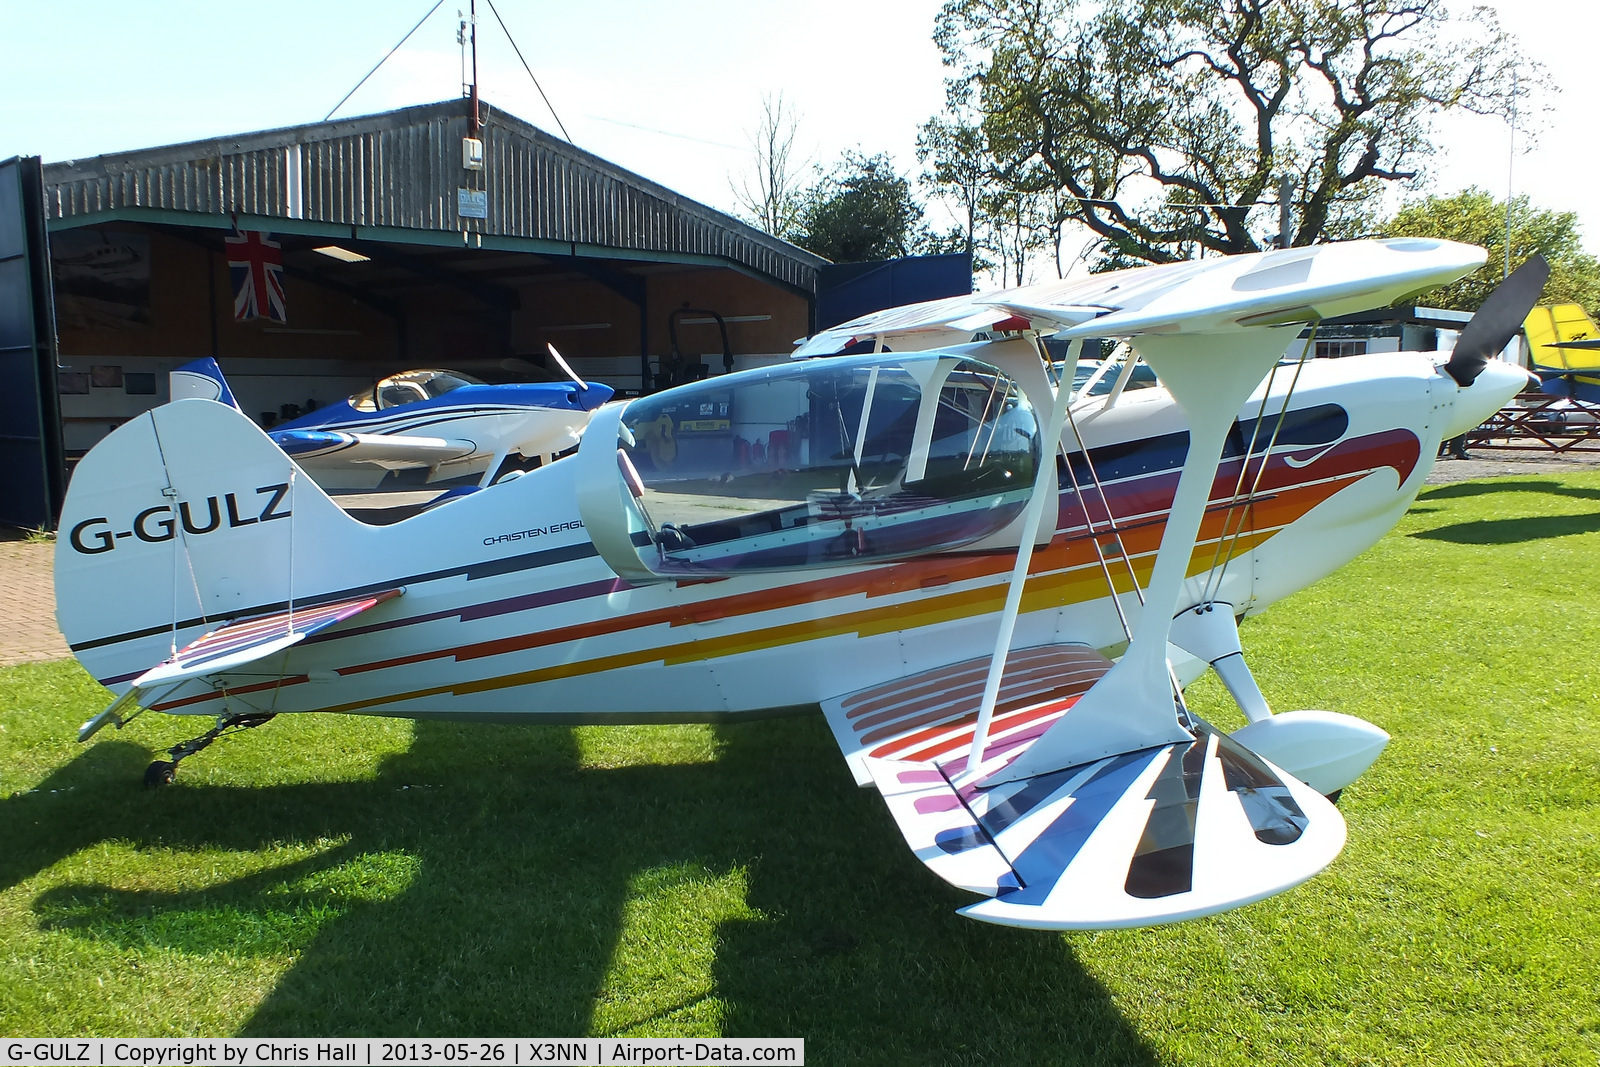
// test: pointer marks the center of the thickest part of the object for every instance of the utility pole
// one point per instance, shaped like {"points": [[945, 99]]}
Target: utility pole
{"points": [[474, 124], [1511, 159]]}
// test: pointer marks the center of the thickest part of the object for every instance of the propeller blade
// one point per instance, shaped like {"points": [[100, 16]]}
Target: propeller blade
{"points": [[584, 385], [1497, 321]]}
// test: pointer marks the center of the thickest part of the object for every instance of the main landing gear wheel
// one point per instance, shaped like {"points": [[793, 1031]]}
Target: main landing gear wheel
{"points": [[161, 772]]}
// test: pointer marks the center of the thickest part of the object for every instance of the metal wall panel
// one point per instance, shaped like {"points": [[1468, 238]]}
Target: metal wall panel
{"points": [[402, 170], [32, 472]]}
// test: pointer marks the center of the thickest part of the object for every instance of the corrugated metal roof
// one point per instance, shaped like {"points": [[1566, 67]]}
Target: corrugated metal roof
{"points": [[402, 169]]}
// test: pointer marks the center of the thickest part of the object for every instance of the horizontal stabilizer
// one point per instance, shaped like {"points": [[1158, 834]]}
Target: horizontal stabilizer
{"points": [[1153, 836], [234, 645]]}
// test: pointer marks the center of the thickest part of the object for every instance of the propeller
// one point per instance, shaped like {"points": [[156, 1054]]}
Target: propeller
{"points": [[1497, 321], [585, 385]]}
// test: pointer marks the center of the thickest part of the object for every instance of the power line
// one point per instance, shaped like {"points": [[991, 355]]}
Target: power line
{"points": [[529, 69], [665, 133], [384, 60]]}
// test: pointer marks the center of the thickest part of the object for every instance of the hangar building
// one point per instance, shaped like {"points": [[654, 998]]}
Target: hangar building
{"points": [[403, 244]]}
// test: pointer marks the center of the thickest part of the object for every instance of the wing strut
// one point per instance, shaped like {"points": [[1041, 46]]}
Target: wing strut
{"points": [[1044, 490], [1210, 375]]}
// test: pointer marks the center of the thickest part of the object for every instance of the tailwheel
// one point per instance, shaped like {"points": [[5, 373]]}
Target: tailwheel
{"points": [[161, 772]]}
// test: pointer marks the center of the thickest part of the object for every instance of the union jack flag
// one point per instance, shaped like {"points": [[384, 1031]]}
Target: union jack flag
{"points": [[255, 262]]}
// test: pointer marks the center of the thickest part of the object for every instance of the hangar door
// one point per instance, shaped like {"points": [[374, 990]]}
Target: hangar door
{"points": [[32, 477]]}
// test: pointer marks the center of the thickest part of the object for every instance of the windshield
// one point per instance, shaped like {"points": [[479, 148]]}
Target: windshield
{"points": [[827, 462], [409, 387]]}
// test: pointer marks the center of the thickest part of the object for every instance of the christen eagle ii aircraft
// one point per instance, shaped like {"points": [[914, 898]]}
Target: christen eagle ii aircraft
{"points": [[937, 545], [447, 422]]}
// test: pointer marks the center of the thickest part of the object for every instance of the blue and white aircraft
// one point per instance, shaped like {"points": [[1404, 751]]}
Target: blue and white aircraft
{"points": [[450, 423]]}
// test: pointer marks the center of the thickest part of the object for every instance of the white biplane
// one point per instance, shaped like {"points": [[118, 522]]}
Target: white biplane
{"points": [[994, 586]]}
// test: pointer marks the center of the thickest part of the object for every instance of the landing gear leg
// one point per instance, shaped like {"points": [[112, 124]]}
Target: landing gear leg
{"points": [[161, 772]]}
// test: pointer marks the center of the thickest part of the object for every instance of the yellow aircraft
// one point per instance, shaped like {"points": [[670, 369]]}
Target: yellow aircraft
{"points": [[1564, 343]]}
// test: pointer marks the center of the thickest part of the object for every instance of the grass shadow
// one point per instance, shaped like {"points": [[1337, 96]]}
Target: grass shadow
{"points": [[488, 882], [1512, 531], [859, 948], [1461, 490]]}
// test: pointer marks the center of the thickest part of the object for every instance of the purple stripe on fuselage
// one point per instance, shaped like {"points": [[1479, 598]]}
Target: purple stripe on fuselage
{"points": [[489, 609]]}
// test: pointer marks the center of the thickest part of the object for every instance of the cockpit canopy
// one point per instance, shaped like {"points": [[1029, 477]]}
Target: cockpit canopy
{"points": [[410, 387], [821, 463]]}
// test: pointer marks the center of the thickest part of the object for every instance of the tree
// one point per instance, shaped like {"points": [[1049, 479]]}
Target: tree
{"points": [[1168, 123], [999, 214], [1016, 226], [773, 202], [1474, 216], [860, 210], [958, 167]]}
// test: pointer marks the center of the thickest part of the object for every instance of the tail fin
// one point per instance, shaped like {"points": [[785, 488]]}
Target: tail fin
{"points": [[1547, 326], [202, 380], [180, 518]]}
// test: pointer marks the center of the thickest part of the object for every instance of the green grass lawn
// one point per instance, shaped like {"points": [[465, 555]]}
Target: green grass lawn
{"points": [[325, 876]]}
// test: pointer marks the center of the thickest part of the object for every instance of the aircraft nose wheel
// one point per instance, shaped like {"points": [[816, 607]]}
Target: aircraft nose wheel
{"points": [[161, 772]]}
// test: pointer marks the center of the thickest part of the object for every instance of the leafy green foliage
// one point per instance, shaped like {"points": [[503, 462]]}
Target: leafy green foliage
{"points": [[345, 875], [1476, 217], [860, 210], [1166, 125]]}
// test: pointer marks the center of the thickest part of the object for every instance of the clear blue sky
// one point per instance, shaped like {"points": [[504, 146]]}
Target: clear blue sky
{"points": [[668, 89]]}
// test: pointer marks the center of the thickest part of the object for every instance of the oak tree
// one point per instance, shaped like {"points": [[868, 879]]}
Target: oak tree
{"points": [[1169, 124]]}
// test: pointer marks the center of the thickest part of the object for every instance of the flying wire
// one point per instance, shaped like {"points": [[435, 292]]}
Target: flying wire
{"points": [[529, 69], [1255, 485], [384, 60]]}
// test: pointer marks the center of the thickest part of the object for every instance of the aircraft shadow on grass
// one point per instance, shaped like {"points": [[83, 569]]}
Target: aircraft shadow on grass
{"points": [[1510, 531], [518, 863]]}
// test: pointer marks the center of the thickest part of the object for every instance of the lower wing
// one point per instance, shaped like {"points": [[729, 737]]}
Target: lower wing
{"points": [[1154, 835]]}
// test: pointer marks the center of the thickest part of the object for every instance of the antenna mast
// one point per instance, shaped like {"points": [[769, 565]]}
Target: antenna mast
{"points": [[474, 125]]}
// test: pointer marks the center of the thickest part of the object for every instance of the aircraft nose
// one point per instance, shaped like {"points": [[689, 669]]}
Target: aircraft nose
{"points": [[1488, 393]]}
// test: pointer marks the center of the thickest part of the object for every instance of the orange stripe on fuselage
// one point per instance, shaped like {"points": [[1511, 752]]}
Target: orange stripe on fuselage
{"points": [[1080, 581], [1064, 573]]}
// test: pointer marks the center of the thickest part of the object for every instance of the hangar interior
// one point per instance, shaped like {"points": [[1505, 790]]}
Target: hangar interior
{"points": [[398, 252]]}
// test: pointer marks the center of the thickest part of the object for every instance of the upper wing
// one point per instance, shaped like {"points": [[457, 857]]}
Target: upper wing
{"points": [[1266, 288], [394, 451], [1155, 835], [233, 645]]}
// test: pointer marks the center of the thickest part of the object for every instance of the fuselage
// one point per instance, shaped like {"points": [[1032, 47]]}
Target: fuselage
{"points": [[509, 611], [473, 425]]}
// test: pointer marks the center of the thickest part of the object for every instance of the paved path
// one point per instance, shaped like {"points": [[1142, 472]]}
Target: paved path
{"points": [[28, 602], [1492, 463]]}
